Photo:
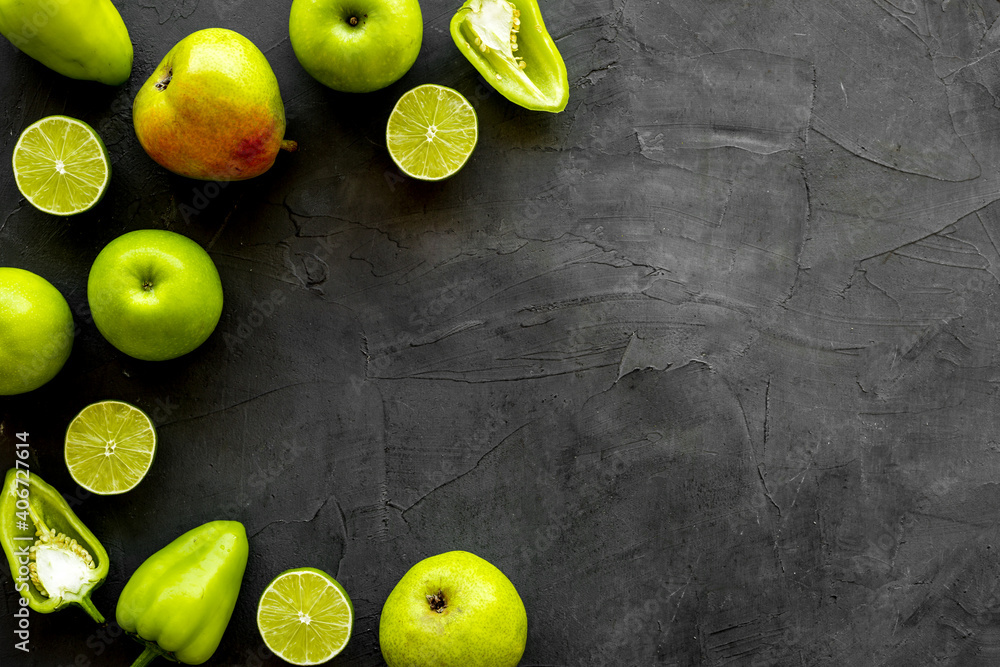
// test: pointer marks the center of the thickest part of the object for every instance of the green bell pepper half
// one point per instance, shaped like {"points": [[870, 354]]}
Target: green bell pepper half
{"points": [[54, 559], [509, 45], [179, 602]]}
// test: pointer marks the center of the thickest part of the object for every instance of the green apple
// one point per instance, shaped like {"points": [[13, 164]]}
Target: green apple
{"points": [[453, 610], [154, 294], [36, 331], [356, 46]]}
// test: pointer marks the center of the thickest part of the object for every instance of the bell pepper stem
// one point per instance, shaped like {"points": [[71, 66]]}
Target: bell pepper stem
{"points": [[149, 654], [91, 610]]}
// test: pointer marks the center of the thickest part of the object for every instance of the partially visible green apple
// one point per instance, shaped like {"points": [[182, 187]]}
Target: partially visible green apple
{"points": [[453, 610], [154, 294], [356, 46], [36, 331]]}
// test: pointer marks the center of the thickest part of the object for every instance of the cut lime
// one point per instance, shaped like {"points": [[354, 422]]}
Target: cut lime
{"points": [[431, 132], [61, 165], [110, 447], [305, 617]]}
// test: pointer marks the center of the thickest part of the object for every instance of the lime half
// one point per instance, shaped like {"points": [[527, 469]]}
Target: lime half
{"points": [[305, 617], [61, 165], [110, 447], [431, 132]]}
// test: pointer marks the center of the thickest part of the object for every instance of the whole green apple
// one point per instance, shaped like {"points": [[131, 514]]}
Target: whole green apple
{"points": [[36, 331], [453, 610], [154, 294], [212, 109], [356, 46]]}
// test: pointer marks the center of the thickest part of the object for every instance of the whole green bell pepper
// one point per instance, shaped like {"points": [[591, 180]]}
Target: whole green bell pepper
{"points": [[81, 39], [54, 559], [509, 45], [179, 602]]}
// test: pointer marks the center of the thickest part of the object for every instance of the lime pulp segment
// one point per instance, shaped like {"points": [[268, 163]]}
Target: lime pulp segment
{"points": [[110, 447], [61, 165], [431, 132], [305, 617]]}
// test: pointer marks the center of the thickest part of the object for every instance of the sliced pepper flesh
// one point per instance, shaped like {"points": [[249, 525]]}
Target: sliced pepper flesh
{"points": [[509, 45], [54, 558]]}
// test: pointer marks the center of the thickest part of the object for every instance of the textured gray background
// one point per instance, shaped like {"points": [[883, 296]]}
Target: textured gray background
{"points": [[707, 364]]}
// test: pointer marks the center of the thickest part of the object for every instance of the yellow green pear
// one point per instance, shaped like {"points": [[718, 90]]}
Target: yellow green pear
{"points": [[82, 39], [453, 610], [212, 109]]}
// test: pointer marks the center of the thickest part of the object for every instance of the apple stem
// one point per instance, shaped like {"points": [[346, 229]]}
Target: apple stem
{"points": [[289, 145], [353, 20]]}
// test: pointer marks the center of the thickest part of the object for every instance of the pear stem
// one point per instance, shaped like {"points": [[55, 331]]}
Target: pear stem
{"points": [[289, 145]]}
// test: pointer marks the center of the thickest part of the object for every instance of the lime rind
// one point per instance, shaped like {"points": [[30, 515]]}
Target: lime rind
{"points": [[110, 447], [431, 132], [305, 616], [61, 165]]}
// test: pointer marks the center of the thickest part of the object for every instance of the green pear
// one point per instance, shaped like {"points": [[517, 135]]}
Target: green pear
{"points": [[82, 39], [212, 109], [453, 610]]}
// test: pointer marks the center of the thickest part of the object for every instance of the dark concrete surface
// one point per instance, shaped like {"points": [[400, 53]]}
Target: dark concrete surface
{"points": [[707, 364]]}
